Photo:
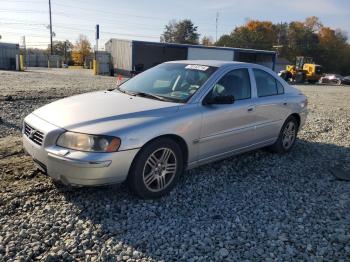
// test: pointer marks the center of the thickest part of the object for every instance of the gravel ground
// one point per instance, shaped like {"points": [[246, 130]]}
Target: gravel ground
{"points": [[256, 206]]}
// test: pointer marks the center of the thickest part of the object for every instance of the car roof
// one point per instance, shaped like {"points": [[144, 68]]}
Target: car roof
{"points": [[216, 63]]}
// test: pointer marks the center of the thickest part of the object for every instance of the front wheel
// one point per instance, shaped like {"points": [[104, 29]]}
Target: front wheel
{"points": [[338, 82], [287, 136], [312, 81], [300, 78], [156, 168]]}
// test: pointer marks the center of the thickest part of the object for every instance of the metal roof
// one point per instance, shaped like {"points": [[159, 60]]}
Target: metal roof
{"points": [[215, 63], [11, 45], [200, 46]]}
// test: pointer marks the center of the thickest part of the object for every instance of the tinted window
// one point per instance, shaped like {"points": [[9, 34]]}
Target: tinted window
{"points": [[280, 87], [236, 83], [266, 84]]}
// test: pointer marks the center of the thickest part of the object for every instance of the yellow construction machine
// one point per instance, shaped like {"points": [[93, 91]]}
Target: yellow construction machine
{"points": [[304, 70]]}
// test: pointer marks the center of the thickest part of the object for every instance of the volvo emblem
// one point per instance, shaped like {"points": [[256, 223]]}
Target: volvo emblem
{"points": [[31, 133]]}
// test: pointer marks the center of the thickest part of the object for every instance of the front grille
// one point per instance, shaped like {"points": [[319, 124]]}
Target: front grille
{"points": [[35, 135]]}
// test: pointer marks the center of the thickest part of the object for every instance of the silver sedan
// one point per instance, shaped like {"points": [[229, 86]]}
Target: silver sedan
{"points": [[175, 116]]}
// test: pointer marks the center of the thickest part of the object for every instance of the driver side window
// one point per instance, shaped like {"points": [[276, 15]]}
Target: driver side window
{"points": [[235, 83]]}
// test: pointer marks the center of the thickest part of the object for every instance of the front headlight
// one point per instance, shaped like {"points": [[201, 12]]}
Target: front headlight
{"points": [[90, 143]]}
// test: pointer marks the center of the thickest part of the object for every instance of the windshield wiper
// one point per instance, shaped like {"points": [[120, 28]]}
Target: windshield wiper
{"points": [[124, 91], [143, 94], [148, 95]]}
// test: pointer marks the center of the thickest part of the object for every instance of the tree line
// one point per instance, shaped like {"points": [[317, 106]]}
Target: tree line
{"points": [[327, 46], [72, 54]]}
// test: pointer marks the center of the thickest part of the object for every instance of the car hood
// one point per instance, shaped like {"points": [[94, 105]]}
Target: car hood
{"points": [[103, 112]]}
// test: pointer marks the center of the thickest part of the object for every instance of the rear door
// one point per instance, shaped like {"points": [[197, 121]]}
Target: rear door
{"points": [[271, 108]]}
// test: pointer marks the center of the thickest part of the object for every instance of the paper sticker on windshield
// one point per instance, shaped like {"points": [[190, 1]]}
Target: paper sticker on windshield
{"points": [[197, 67]]}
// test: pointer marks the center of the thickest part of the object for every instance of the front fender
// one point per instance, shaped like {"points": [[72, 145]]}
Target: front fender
{"points": [[186, 123]]}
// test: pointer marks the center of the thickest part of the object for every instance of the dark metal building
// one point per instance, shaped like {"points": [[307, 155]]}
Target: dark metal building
{"points": [[8, 54], [136, 56]]}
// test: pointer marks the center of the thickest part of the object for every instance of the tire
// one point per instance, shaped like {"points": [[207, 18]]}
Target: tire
{"points": [[289, 130], [312, 81], [286, 75], [300, 78], [156, 169], [283, 75]]}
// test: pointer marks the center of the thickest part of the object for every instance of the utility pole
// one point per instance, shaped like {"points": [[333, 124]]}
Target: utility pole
{"points": [[279, 45], [24, 51], [216, 26], [97, 36], [65, 52], [50, 27]]}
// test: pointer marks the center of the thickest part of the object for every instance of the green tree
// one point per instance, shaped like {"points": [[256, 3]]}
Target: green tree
{"points": [[327, 46], [62, 48], [225, 40], [168, 35], [182, 32]]}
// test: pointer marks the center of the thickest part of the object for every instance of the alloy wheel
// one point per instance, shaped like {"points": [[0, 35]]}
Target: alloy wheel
{"points": [[160, 169], [289, 135]]}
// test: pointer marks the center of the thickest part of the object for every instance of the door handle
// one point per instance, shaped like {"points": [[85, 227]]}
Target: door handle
{"points": [[251, 109]]}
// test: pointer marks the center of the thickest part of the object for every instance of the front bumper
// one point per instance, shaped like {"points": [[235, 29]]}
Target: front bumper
{"points": [[303, 115], [74, 167]]}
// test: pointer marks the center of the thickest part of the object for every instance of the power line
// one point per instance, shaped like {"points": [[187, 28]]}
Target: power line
{"points": [[28, 11], [23, 1], [105, 32], [58, 25], [79, 26], [91, 30], [78, 29], [107, 21], [128, 15], [94, 10]]}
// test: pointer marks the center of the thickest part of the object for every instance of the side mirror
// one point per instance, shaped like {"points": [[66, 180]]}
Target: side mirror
{"points": [[219, 100]]}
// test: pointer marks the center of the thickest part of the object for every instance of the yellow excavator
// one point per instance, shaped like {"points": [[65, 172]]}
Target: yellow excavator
{"points": [[304, 70]]}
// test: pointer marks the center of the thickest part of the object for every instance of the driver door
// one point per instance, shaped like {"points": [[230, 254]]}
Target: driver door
{"points": [[228, 127]]}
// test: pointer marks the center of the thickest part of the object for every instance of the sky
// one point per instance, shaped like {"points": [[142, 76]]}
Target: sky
{"points": [[145, 20]]}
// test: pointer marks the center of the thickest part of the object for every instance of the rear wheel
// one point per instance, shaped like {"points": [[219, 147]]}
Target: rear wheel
{"points": [[287, 136], [283, 75], [156, 169], [300, 78], [312, 81]]}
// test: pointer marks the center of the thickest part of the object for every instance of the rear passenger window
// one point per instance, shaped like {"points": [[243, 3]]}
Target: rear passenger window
{"points": [[280, 88], [266, 84], [236, 83]]}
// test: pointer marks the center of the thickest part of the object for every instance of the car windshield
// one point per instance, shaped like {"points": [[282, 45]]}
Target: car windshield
{"points": [[174, 82]]}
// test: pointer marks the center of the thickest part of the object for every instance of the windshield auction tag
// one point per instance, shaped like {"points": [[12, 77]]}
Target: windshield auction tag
{"points": [[197, 67]]}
